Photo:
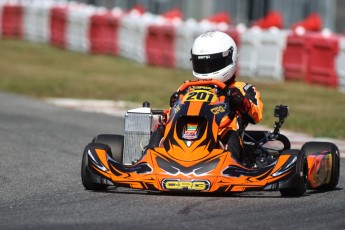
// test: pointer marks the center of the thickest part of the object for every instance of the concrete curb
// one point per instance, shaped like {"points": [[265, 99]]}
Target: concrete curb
{"points": [[119, 108]]}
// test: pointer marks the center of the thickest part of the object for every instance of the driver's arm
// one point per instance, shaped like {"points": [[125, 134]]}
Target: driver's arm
{"points": [[251, 108]]}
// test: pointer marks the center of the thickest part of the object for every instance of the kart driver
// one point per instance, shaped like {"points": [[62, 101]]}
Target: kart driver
{"points": [[214, 56]]}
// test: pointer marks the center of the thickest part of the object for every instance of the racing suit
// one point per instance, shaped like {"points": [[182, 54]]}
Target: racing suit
{"points": [[245, 102], [246, 106]]}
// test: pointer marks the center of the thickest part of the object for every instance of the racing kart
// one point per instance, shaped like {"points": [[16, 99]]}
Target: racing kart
{"points": [[180, 150]]}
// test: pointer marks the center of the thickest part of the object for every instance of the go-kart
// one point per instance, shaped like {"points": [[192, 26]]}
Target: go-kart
{"points": [[179, 150]]}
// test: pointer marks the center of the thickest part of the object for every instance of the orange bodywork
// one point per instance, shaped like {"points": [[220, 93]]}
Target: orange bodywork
{"points": [[210, 181]]}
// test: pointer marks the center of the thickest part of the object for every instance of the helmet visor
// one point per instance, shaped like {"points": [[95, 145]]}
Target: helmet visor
{"points": [[209, 63]]}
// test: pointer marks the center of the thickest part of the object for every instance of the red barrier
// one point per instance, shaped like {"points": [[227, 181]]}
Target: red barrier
{"points": [[312, 23], [58, 26], [12, 21], [322, 56], [174, 14], [221, 17], [295, 57], [272, 19], [160, 45], [103, 34]]}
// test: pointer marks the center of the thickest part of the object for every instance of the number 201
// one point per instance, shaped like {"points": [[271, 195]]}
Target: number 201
{"points": [[200, 96]]}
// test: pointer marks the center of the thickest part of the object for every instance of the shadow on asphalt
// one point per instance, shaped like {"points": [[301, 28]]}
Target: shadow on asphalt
{"points": [[251, 194]]}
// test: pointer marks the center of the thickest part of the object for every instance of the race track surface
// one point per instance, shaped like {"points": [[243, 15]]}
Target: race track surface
{"points": [[40, 188]]}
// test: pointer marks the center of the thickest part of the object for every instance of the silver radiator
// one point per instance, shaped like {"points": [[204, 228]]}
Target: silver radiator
{"points": [[138, 123]]}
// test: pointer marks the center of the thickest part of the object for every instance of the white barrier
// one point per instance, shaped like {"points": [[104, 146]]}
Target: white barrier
{"points": [[37, 20], [270, 51], [132, 36], [249, 52], [78, 21]]}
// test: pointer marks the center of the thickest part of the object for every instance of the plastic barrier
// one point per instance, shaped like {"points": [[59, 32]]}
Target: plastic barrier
{"points": [[249, 52], [221, 17], [12, 20], [312, 23], [272, 19], [295, 57], [340, 67], [174, 15], [78, 27], [37, 21], [183, 44], [58, 25], [160, 45], [270, 51], [103, 32], [132, 36], [143, 37], [321, 63]]}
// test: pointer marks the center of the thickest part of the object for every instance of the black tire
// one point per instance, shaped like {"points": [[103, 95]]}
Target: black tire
{"points": [[313, 147], [90, 180], [115, 142], [301, 176]]}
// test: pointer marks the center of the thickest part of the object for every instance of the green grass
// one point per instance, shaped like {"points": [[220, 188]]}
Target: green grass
{"points": [[43, 71]]}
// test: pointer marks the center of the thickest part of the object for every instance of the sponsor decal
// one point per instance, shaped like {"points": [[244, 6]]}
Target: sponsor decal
{"points": [[202, 87], [192, 185], [217, 110], [176, 109], [204, 57], [190, 134]]}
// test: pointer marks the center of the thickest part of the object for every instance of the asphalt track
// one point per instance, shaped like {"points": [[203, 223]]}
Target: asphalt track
{"points": [[40, 188]]}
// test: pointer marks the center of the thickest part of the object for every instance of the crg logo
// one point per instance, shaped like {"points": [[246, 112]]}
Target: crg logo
{"points": [[193, 185]]}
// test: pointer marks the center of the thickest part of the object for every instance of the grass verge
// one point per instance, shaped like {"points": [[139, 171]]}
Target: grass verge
{"points": [[43, 71]]}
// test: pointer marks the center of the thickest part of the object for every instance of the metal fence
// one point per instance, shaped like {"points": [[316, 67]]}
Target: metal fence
{"points": [[241, 11]]}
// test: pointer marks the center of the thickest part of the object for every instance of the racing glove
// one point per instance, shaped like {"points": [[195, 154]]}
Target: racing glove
{"points": [[237, 101]]}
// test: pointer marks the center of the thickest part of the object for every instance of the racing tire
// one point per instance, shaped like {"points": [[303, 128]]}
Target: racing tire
{"points": [[115, 142], [90, 180], [313, 147], [301, 176]]}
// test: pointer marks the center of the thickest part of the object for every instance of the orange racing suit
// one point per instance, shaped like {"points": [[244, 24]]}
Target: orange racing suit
{"points": [[250, 110], [255, 107]]}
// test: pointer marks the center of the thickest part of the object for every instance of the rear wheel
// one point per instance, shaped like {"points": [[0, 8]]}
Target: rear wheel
{"points": [[301, 176], [115, 142], [313, 147]]}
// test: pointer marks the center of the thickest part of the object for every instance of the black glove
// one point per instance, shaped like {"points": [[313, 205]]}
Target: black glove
{"points": [[174, 98], [237, 102]]}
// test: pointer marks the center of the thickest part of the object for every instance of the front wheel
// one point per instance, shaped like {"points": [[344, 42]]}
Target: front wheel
{"points": [[90, 180], [301, 176], [115, 142]]}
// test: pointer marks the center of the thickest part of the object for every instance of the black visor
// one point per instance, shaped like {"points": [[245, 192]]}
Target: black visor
{"points": [[210, 63]]}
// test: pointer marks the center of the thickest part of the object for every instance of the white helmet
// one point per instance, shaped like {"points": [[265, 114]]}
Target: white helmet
{"points": [[214, 56]]}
